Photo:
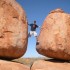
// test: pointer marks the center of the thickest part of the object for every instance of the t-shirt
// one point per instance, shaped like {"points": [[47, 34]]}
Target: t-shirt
{"points": [[33, 27]]}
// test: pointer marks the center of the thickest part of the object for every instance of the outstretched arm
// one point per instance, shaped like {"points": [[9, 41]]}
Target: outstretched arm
{"points": [[28, 24], [38, 26]]}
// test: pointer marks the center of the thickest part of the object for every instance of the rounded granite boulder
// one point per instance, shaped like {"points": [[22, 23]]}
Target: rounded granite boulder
{"points": [[54, 37], [13, 30]]}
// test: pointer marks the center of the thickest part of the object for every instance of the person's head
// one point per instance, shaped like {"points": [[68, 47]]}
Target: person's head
{"points": [[34, 22]]}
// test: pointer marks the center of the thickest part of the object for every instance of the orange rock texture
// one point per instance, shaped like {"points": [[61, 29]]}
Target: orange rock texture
{"points": [[48, 65], [6, 65], [13, 29], [54, 37]]}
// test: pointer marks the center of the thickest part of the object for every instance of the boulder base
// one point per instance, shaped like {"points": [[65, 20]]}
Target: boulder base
{"points": [[47, 65], [6, 65]]}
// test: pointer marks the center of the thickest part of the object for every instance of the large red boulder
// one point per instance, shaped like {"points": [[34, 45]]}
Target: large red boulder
{"points": [[13, 29], [54, 37]]}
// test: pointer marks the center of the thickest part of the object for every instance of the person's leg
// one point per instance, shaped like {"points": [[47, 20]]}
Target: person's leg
{"points": [[35, 34], [30, 34]]}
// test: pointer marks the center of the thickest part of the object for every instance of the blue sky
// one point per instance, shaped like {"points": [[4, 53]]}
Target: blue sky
{"points": [[38, 10]]}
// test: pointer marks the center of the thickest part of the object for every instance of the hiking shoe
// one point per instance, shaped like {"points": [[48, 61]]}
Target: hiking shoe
{"points": [[37, 43]]}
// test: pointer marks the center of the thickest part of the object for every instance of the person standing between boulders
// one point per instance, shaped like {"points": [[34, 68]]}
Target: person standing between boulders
{"points": [[33, 29]]}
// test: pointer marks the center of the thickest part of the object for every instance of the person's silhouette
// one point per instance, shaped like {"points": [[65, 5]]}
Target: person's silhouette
{"points": [[33, 29]]}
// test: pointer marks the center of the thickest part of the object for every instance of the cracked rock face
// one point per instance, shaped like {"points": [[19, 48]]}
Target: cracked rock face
{"points": [[54, 38], [13, 29]]}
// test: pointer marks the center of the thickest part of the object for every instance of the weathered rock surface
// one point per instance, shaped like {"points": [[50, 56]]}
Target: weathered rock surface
{"points": [[6, 65], [54, 37], [46, 65], [13, 29]]}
